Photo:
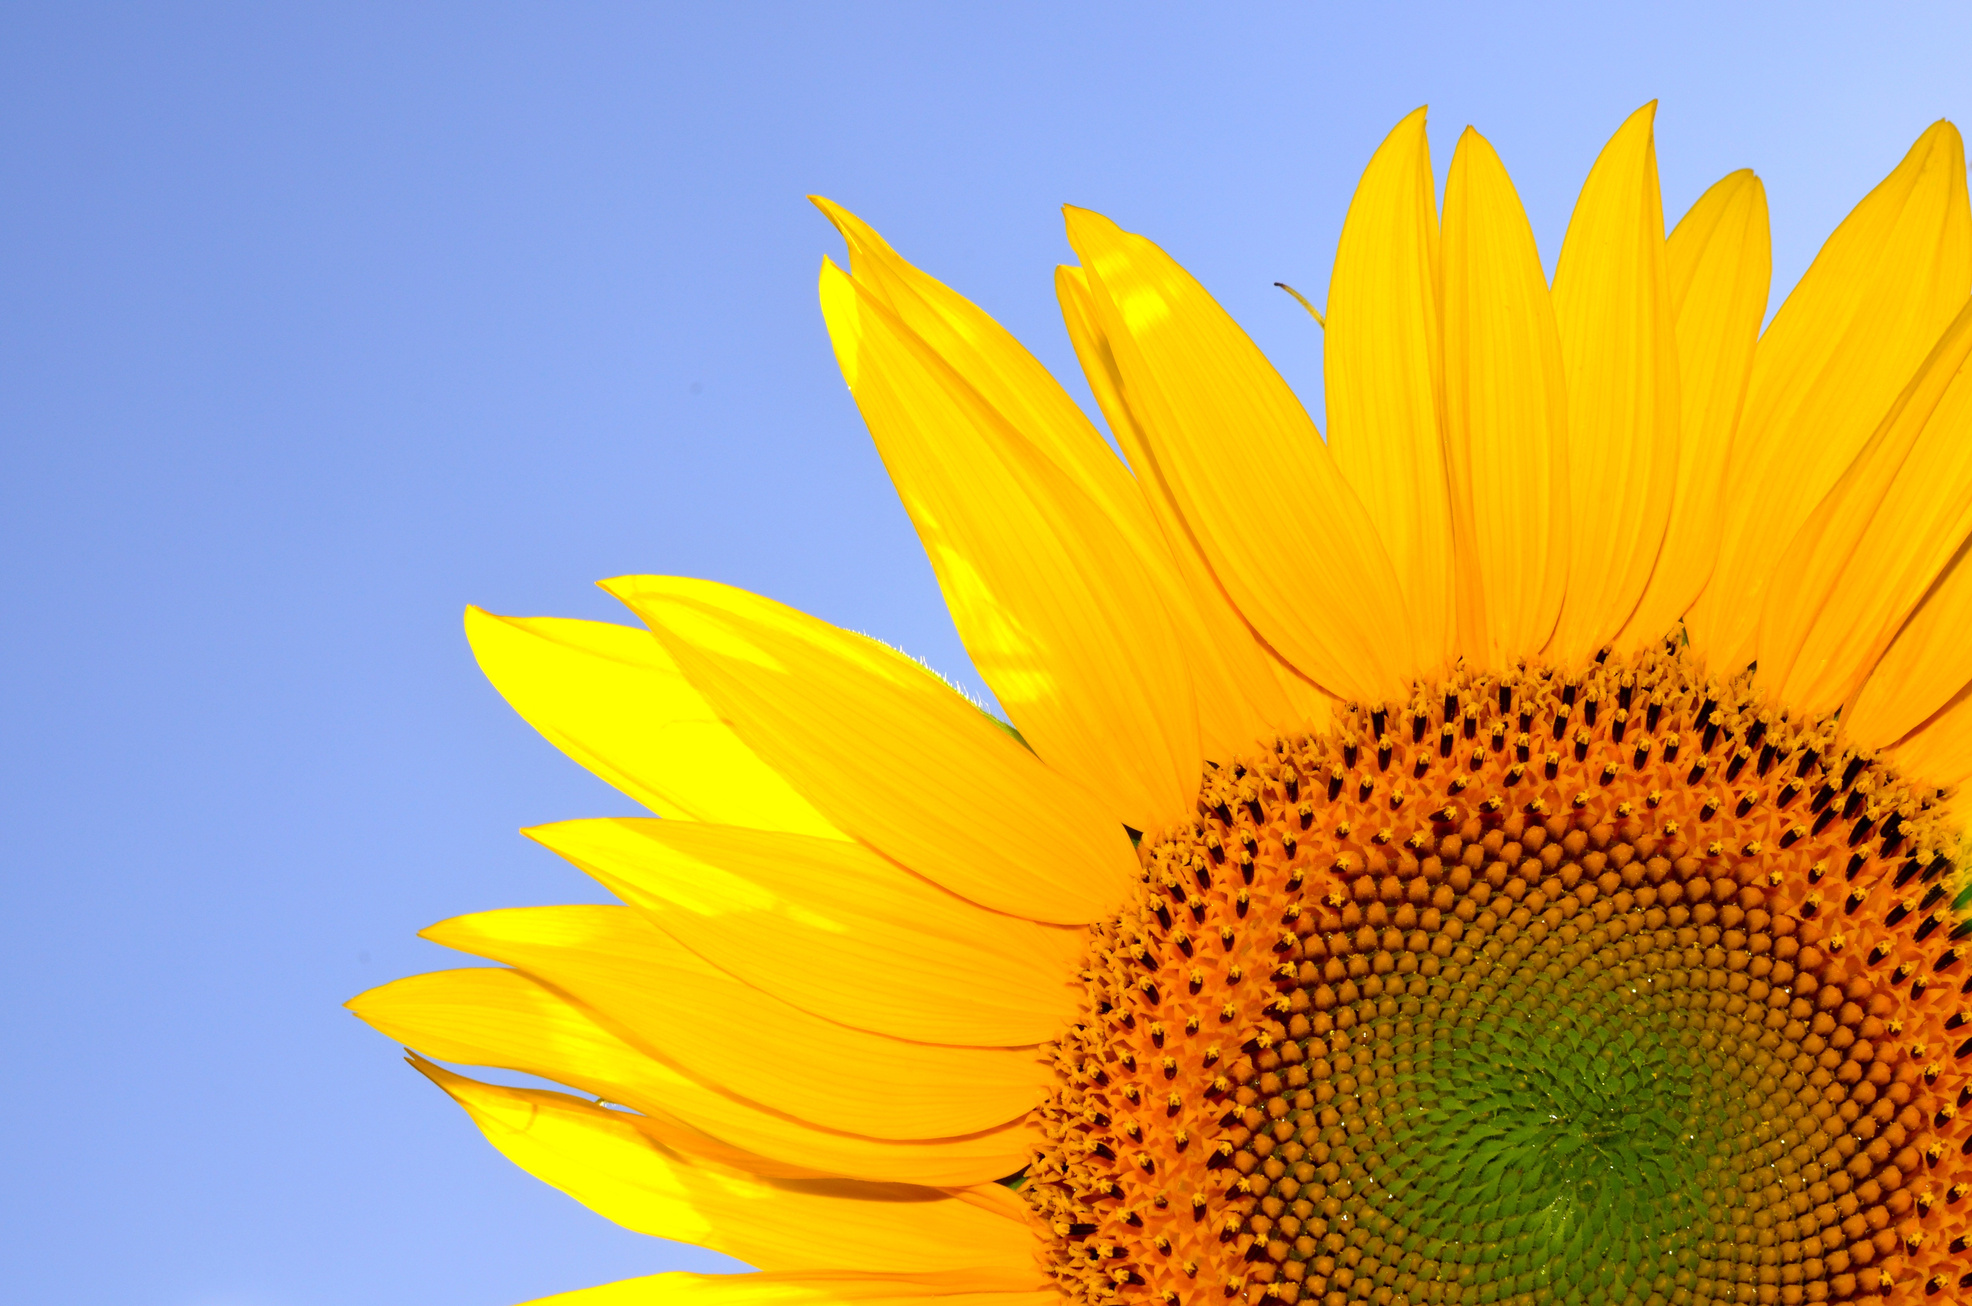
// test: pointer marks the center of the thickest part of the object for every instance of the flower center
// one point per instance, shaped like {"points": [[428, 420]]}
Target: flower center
{"points": [[1605, 987]]}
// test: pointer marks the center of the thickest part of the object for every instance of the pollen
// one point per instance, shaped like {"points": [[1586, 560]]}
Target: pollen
{"points": [[1613, 986]]}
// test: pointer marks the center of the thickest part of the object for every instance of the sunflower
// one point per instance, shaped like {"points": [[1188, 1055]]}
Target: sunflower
{"points": [[1505, 851]]}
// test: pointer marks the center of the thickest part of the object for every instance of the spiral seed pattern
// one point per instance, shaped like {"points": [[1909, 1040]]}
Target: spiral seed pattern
{"points": [[1612, 987]]}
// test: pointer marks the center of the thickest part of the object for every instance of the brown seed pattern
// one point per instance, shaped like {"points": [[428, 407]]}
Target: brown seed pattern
{"points": [[1372, 1008]]}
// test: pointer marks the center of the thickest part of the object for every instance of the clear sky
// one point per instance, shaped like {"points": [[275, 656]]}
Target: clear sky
{"points": [[319, 322]]}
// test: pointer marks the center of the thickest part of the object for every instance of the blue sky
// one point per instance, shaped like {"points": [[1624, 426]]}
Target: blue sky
{"points": [[322, 322]]}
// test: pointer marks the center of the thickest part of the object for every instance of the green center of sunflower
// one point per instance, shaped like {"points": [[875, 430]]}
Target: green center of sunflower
{"points": [[1590, 1128], [1605, 988]]}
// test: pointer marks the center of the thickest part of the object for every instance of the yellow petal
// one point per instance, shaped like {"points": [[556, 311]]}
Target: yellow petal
{"points": [[957, 1288], [1612, 309], [1721, 263], [1876, 543], [1917, 685], [1940, 751], [1006, 376], [836, 930], [1279, 525], [1217, 645], [1060, 611], [1385, 376], [490, 1016], [611, 698], [1910, 703], [672, 1003], [1243, 691], [995, 1199], [1506, 416], [605, 1160], [893, 755], [1838, 353]]}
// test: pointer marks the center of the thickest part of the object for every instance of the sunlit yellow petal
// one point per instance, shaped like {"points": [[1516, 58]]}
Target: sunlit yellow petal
{"points": [[1060, 612], [1006, 375], [892, 754], [1506, 416], [1721, 262], [603, 1159], [612, 699], [1284, 533], [1929, 661], [1839, 351], [1385, 376], [658, 996], [1613, 312], [1939, 752], [957, 1288], [855, 937], [1925, 668], [1238, 700], [1875, 544], [490, 1016], [1243, 691]]}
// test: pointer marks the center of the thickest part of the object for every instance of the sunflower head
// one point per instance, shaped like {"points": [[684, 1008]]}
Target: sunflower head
{"points": [[1507, 848], [1508, 991]]}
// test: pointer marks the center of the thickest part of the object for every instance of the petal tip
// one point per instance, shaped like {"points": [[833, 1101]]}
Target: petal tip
{"points": [[1641, 122], [437, 932], [1941, 135], [621, 588], [840, 218], [481, 625], [1078, 218]]}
